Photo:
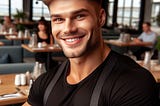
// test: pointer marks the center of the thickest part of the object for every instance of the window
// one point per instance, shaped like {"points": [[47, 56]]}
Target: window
{"points": [[39, 10], [16, 4], [5, 7], [128, 13], [110, 12], [155, 11]]}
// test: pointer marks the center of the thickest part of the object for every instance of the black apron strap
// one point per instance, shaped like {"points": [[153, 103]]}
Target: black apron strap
{"points": [[103, 76], [53, 82]]}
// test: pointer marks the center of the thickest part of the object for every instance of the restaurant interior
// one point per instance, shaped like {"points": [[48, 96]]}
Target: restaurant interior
{"points": [[19, 45]]}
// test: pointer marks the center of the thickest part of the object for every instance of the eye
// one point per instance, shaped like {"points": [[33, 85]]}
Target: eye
{"points": [[57, 20], [80, 16]]}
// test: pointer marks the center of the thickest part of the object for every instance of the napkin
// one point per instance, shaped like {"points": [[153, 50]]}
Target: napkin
{"points": [[7, 96]]}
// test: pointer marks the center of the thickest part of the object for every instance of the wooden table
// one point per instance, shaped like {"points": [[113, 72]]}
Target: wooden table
{"points": [[25, 23], [12, 37], [156, 75], [125, 44], [154, 69], [7, 34], [21, 39], [126, 47], [48, 48], [7, 87]]}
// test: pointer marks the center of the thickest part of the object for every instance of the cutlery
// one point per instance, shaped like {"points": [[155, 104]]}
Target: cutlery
{"points": [[20, 91]]}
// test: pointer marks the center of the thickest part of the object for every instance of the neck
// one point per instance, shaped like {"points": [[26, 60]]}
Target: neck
{"points": [[42, 31], [43, 34], [149, 31], [80, 68]]}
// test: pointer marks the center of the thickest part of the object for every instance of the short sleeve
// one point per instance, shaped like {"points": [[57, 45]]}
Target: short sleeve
{"points": [[140, 36]]}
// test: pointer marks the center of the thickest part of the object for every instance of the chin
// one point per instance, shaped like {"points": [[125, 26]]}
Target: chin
{"points": [[70, 55], [73, 53]]}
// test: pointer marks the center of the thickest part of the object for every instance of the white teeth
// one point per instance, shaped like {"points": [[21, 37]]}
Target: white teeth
{"points": [[72, 40]]}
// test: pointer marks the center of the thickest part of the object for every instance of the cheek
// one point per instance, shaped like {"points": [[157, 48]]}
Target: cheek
{"points": [[56, 30], [39, 26], [54, 33], [87, 25]]}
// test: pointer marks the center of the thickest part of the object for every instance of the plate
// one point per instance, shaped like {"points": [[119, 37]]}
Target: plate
{"points": [[12, 36], [40, 48], [51, 47]]}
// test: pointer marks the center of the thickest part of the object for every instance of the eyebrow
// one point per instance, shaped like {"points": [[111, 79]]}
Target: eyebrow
{"points": [[73, 12]]}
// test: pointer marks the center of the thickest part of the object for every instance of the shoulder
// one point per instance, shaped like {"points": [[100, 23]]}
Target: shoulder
{"points": [[128, 68], [39, 86], [129, 80], [143, 34], [153, 32], [43, 80]]}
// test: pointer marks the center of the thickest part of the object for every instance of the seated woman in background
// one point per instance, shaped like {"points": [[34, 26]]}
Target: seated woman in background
{"points": [[44, 37]]}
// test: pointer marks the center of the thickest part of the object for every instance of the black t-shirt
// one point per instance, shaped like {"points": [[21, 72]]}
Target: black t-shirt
{"points": [[128, 85], [47, 40], [42, 56]]}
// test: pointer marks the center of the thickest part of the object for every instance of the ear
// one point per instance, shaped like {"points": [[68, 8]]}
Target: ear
{"points": [[102, 17]]}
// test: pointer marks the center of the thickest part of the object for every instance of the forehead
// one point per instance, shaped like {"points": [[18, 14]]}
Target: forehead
{"points": [[48, 2], [145, 25], [6, 17], [58, 6]]}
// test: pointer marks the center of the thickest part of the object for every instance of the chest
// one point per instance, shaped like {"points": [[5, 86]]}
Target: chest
{"points": [[43, 38], [72, 95], [148, 38]]}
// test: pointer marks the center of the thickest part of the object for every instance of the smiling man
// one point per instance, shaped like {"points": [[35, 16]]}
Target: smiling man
{"points": [[93, 75]]}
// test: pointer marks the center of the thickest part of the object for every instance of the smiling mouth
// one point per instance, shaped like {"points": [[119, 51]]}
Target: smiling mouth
{"points": [[73, 39]]}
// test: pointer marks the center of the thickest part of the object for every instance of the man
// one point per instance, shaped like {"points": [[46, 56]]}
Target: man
{"points": [[147, 36], [7, 24], [76, 26]]}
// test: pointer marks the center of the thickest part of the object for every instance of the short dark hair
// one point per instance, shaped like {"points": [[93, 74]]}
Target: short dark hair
{"points": [[47, 2], [147, 23]]}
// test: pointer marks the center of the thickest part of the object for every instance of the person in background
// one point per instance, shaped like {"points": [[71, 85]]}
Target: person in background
{"points": [[44, 37], [7, 24], [76, 26], [147, 36]]}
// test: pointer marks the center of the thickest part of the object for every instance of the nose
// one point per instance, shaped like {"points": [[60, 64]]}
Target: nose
{"points": [[69, 26]]}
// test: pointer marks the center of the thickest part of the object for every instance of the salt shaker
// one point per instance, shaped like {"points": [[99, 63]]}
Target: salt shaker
{"points": [[23, 79], [20, 34], [17, 80]]}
